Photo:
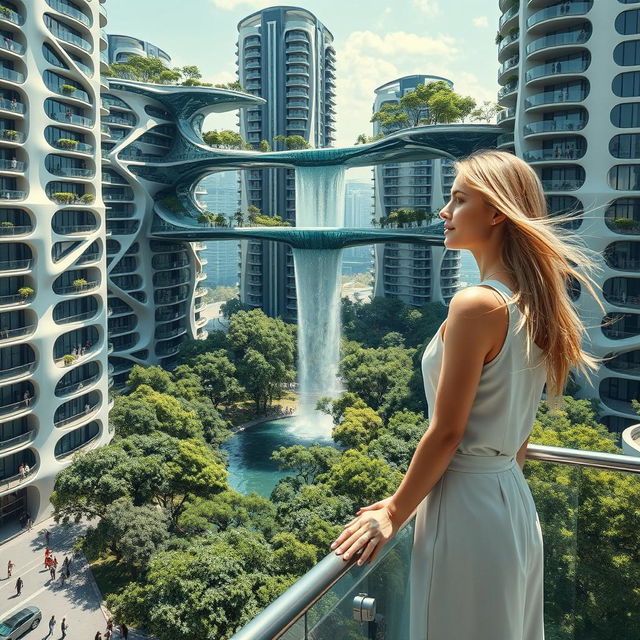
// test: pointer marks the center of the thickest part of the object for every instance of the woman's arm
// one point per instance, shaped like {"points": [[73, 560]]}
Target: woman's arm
{"points": [[473, 325]]}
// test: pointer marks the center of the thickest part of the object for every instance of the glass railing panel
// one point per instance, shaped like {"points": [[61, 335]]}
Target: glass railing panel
{"points": [[10, 74], [70, 11], [543, 126], [559, 39], [559, 10], [554, 68]]}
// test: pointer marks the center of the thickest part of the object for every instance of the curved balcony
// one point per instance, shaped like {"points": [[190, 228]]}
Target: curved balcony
{"points": [[563, 67], [12, 46], [559, 12], [62, 33], [553, 126], [507, 42], [506, 114], [70, 389], [77, 440], [12, 106], [11, 166], [89, 410], [557, 96], [623, 255], [71, 118], [12, 76], [17, 441], [571, 38], [23, 264], [75, 229], [507, 17], [508, 65], [74, 289], [11, 136], [71, 172], [76, 94], [163, 333], [12, 194], [67, 144], [508, 89], [17, 408], [17, 480], [558, 154], [17, 372], [9, 15], [7, 335], [569, 184], [66, 9]]}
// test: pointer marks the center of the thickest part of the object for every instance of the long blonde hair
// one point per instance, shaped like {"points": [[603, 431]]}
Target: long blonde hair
{"points": [[542, 257]]}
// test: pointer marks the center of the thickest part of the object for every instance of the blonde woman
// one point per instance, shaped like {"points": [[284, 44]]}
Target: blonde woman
{"points": [[477, 561]]}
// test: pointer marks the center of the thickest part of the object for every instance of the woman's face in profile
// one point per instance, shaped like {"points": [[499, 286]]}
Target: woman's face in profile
{"points": [[468, 216]]}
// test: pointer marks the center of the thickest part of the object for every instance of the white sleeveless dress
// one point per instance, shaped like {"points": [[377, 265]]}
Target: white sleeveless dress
{"points": [[477, 566]]}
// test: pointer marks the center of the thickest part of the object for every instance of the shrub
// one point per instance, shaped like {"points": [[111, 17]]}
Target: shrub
{"points": [[64, 197], [87, 198], [7, 225], [68, 358], [25, 292], [79, 283], [5, 12], [66, 143], [68, 89], [10, 134]]}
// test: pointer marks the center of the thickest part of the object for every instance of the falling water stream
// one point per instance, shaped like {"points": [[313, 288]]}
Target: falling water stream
{"points": [[320, 193]]}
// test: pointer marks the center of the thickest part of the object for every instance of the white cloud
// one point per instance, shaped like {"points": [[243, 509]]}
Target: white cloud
{"points": [[365, 60], [234, 4], [430, 7], [481, 21]]}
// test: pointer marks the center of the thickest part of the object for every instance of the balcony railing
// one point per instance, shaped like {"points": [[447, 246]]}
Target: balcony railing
{"points": [[66, 144], [12, 194], [321, 603], [63, 422], [11, 75], [558, 40], [16, 441], [72, 172], [76, 289], [546, 126], [16, 407], [17, 480], [11, 16], [15, 372], [562, 185], [8, 44], [76, 386], [555, 68], [15, 265], [71, 118], [66, 36], [11, 105], [68, 10], [559, 11], [78, 317]]}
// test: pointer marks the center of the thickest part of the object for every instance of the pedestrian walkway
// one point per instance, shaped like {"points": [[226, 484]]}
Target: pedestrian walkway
{"points": [[78, 600]]}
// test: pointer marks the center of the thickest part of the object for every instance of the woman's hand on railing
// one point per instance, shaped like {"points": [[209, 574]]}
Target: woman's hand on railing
{"points": [[370, 530]]}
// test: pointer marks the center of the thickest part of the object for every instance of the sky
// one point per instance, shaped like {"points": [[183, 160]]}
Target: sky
{"points": [[375, 40]]}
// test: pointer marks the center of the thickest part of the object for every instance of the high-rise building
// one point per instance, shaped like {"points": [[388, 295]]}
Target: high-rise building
{"points": [[221, 196], [413, 273], [357, 214], [285, 55], [121, 48], [53, 344], [570, 76], [155, 291]]}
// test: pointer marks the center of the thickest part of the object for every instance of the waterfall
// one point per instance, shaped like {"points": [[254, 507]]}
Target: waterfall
{"points": [[320, 194]]}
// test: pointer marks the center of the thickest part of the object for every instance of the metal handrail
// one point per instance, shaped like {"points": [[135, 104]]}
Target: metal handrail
{"points": [[287, 609]]}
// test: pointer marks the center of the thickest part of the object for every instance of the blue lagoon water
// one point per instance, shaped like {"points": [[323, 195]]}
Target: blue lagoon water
{"points": [[250, 468]]}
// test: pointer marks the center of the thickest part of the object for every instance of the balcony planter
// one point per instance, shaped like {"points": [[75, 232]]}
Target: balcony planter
{"points": [[7, 225], [26, 292], [67, 143], [79, 283], [87, 198], [5, 12], [626, 224], [68, 359], [63, 197], [10, 134], [68, 89]]}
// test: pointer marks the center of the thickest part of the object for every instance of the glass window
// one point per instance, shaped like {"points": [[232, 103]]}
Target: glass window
{"points": [[625, 177], [626, 115], [627, 54], [627, 84], [628, 22], [629, 1], [625, 145], [52, 57]]}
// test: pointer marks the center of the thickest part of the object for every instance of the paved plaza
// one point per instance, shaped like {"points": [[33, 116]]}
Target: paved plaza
{"points": [[77, 600]]}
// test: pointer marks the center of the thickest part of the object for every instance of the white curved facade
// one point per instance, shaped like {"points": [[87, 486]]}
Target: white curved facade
{"points": [[571, 86], [155, 287], [413, 273], [52, 247]]}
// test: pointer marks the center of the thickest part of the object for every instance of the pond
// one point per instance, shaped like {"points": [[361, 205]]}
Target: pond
{"points": [[250, 468]]}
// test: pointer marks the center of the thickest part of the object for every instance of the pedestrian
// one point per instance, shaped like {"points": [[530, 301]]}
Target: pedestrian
{"points": [[14, 103], [26, 396], [52, 626], [110, 625], [48, 562], [98, 636], [47, 537], [14, 163], [55, 562], [87, 408], [52, 572], [19, 584], [21, 471], [29, 521], [10, 566], [63, 628], [124, 631], [68, 570], [27, 469], [107, 635]]}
